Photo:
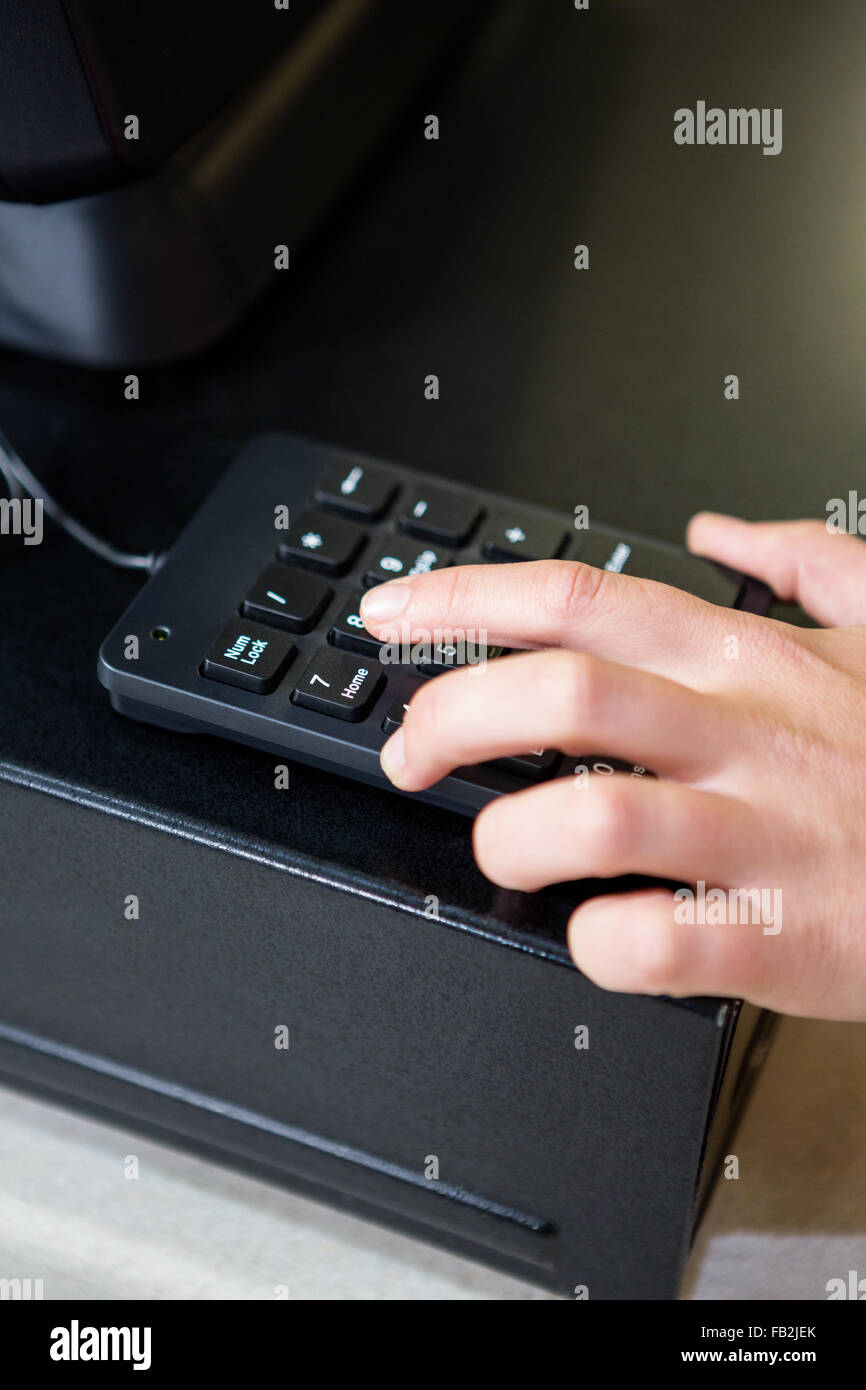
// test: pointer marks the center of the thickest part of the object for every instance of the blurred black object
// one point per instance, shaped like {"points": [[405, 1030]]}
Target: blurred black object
{"points": [[152, 157]]}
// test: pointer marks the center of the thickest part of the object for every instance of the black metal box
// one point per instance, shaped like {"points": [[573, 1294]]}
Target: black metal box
{"points": [[316, 983]]}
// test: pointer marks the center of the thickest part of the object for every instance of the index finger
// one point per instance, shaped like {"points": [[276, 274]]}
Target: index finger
{"points": [[554, 603]]}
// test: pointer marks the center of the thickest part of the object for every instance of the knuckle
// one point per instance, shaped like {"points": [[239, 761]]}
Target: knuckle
{"points": [[778, 647], [578, 684], [571, 590], [806, 533], [613, 826], [460, 585]]}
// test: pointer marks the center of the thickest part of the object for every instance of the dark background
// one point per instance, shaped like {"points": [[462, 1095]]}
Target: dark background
{"points": [[602, 387], [606, 386]]}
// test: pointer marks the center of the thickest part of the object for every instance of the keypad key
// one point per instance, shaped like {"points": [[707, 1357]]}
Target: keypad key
{"points": [[349, 632], [339, 684], [248, 656], [286, 597], [688, 572], [432, 659], [357, 489], [510, 536], [401, 556], [594, 764], [435, 514], [324, 543], [395, 716], [534, 766]]}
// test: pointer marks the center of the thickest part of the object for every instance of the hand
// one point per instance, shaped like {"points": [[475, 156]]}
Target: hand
{"points": [[756, 729]]}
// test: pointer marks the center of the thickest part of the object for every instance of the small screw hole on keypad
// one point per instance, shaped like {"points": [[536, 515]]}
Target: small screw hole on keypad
{"points": [[160, 634]]}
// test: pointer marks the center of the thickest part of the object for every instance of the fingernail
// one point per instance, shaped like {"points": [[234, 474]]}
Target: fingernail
{"points": [[385, 601], [393, 757]]}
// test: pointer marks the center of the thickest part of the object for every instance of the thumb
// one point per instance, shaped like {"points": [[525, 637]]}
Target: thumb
{"points": [[824, 571]]}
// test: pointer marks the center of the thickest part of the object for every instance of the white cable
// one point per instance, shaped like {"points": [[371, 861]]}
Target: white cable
{"points": [[21, 482]]}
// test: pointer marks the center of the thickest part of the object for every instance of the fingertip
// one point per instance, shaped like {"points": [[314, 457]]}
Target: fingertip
{"points": [[392, 760], [704, 526], [492, 845], [627, 942], [484, 835], [385, 602]]}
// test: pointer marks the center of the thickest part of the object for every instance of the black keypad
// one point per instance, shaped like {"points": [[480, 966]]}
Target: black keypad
{"points": [[534, 766], [357, 489], [511, 536], [438, 515], [339, 684], [248, 656], [286, 597], [325, 543], [296, 670], [400, 556], [433, 659], [688, 572], [349, 633]]}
